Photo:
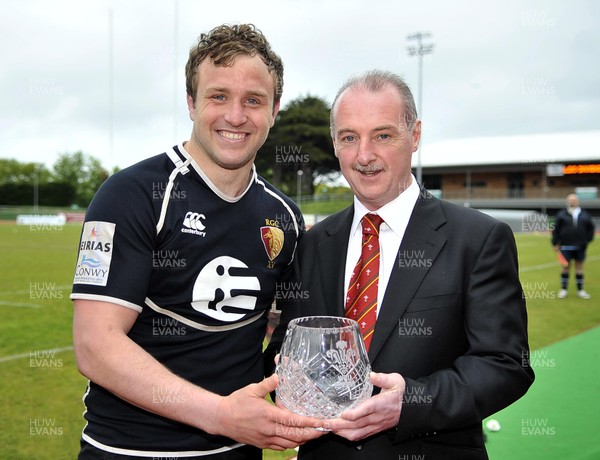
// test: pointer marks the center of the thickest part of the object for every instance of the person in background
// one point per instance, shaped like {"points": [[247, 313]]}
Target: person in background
{"points": [[573, 231], [435, 291], [178, 264]]}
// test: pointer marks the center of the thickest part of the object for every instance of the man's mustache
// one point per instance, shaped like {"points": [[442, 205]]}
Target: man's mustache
{"points": [[368, 169]]}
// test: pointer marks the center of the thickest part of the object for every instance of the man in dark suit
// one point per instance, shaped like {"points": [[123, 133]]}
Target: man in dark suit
{"points": [[449, 345]]}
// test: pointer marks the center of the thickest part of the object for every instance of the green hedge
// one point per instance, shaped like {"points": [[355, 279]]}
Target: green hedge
{"points": [[49, 194]]}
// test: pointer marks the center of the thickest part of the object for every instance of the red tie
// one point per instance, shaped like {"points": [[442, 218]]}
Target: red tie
{"points": [[361, 301]]}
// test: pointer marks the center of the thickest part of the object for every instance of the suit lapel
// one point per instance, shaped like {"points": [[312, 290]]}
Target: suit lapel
{"points": [[419, 248], [332, 258]]}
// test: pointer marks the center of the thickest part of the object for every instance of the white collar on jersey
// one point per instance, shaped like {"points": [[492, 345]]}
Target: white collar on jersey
{"points": [[212, 186]]}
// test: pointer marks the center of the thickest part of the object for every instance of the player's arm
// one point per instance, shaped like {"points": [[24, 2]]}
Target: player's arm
{"points": [[108, 357]]}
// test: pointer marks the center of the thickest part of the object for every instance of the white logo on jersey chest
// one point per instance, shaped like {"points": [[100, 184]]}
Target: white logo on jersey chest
{"points": [[214, 286], [194, 220], [193, 224]]}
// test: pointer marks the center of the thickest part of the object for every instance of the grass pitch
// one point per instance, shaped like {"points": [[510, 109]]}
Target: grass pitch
{"points": [[40, 412]]}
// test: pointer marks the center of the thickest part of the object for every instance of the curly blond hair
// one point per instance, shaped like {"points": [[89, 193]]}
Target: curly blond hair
{"points": [[223, 44]]}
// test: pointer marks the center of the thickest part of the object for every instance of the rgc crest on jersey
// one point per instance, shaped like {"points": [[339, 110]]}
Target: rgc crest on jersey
{"points": [[273, 238]]}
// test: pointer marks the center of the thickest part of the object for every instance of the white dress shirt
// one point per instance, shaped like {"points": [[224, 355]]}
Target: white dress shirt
{"points": [[396, 215], [575, 215]]}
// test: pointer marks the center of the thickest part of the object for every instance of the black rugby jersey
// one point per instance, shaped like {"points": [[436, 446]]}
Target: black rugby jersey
{"points": [[201, 269]]}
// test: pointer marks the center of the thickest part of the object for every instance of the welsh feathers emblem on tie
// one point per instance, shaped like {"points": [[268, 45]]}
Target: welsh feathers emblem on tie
{"points": [[272, 238]]}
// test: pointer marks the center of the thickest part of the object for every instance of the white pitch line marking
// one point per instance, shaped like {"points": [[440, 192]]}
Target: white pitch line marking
{"points": [[28, 354]]}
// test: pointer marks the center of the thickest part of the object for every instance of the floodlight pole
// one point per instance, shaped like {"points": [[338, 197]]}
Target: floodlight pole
{"points": [[175, 67], [36, 190], [419, 50], [111, 90]]}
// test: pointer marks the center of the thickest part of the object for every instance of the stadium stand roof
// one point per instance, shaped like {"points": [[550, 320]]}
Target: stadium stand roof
{"points": [[522, 149]]}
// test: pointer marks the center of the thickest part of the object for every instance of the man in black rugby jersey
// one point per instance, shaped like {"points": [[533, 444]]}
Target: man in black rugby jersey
{"points": [[178, 264]]}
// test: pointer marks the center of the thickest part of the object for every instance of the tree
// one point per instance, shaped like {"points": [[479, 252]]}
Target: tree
{"points": [[299, 141], [27, 183], [13, 172], [83, 172]]}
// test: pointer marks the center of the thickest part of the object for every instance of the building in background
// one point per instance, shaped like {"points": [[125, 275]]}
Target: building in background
{"points": [[525, 172]]}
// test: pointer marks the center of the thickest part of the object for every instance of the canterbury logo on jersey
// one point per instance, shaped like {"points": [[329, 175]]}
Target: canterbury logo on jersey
{"points": [[192, 223]]}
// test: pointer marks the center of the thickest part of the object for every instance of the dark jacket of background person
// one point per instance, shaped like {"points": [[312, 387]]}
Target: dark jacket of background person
{"points": [[565, 233]]}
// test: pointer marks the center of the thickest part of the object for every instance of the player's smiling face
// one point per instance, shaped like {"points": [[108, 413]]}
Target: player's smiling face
{"points": [[232, 113]]}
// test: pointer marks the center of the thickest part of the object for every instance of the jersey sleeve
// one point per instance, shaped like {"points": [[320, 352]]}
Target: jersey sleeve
{"points": [[114, 263]]}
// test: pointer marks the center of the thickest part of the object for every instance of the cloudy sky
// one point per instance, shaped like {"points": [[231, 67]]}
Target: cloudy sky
{"points": [[499, 67]]}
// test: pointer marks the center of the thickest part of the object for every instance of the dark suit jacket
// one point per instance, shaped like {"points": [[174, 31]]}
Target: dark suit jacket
{"points": [[453, 323]]}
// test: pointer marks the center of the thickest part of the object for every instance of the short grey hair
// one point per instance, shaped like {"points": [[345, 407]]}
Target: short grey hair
{"points": [[375, 81]]}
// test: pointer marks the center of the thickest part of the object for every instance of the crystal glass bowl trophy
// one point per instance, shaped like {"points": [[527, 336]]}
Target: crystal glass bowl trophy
{"points": [[323, 367]]}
